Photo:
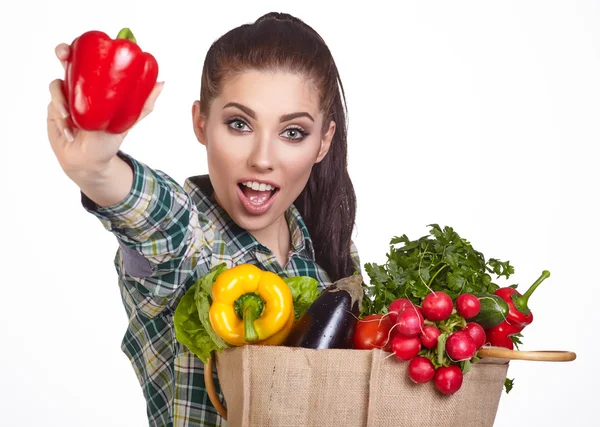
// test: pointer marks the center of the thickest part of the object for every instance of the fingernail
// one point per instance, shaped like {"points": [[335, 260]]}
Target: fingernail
{"points": [[68, 135], [63, 111]]}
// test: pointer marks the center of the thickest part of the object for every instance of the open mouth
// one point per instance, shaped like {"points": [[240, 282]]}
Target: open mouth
{"points": [[257, 197]]}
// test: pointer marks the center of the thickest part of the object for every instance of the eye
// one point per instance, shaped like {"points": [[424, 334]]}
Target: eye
{"points": [[294, 133], [238, 124]]}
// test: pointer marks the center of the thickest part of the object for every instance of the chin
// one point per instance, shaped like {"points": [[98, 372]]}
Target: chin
{"points": [[255, 222]]}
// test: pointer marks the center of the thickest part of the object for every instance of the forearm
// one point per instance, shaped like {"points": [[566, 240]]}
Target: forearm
{"points": [[108, 186], [157, 225]]}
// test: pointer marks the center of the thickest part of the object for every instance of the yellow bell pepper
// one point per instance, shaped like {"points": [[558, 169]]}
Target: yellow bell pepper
{"points": [[250, 305]]}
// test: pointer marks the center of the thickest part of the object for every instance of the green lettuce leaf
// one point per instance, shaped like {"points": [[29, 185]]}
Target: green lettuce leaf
{"points": [[304, 292], [192, 325], [206, 282]]}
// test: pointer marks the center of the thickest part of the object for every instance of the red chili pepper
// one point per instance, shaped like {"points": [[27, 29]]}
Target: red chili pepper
{"points": [[108, 81], [519, 314], [499, 335]]}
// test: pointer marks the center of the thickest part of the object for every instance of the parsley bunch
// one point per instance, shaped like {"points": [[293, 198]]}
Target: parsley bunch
{"points": [[440, 261]]}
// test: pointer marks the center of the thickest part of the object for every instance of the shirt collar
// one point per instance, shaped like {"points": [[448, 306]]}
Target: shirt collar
{"points": [[202, 190], [301, 241]]}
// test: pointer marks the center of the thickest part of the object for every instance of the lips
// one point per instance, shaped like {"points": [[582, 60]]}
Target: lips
{"points": [[257, 196]]}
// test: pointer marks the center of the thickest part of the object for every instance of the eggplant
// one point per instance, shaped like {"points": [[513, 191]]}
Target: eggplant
{"points": [[330, 321]]}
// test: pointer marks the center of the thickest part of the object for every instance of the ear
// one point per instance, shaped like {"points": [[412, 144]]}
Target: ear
{"points": [[326, 142], [199, 122]]}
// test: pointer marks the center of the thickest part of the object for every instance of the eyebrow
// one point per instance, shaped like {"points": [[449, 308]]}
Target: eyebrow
{"points": [[252, 113]]}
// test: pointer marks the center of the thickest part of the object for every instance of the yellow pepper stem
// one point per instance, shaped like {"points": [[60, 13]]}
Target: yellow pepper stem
{"points": [[249, 307]]}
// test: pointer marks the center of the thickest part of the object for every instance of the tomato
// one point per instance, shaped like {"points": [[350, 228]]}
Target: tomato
{"points": [[373, 331]]}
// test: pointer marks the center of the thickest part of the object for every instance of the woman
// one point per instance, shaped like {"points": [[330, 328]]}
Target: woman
{"points": [[278, 195]]}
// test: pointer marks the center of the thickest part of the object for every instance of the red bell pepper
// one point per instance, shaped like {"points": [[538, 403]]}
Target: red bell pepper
{"points": [[108, 81], [519, 314]]}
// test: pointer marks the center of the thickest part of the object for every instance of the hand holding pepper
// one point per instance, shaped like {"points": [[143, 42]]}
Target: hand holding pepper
{"points": [[108, 81], [87, 157]]}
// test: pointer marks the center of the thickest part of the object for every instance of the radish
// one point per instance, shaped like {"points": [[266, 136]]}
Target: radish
{"points": [[405, 348], [410, 321], [396, 307], [476, 332], [460, 346], [429, 336], [448, 379], [421, 370], [468, 305], [437, 306]]}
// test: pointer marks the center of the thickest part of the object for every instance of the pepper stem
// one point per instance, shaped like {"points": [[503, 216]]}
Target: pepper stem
{"points": [[126, 33], [249, 307], [250, 315], [521, 301]]}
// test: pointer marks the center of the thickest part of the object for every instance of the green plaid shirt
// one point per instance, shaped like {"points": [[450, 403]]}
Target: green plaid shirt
{"points": [[168, 237]]}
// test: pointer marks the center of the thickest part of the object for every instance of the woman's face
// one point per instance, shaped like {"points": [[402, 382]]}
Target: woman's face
{"points": [[262, 136]]}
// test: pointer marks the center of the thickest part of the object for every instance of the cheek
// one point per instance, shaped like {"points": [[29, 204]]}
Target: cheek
{"points": [[298, 165], [222, 151]]}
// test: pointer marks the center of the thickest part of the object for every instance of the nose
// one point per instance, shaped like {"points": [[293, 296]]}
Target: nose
{"points": [[262, 155]]}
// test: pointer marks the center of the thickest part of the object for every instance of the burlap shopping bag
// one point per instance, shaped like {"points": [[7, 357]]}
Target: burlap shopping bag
{"points": [[282, 386]]}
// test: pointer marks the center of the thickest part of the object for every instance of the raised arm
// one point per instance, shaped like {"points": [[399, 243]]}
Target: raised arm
{"points": [[156, 223]]}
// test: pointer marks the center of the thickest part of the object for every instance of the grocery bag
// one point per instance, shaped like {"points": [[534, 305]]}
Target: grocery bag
{"points": [[284, 386]]}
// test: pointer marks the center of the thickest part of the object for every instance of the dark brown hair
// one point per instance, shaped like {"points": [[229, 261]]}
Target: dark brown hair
{"points": [[278, 41]]}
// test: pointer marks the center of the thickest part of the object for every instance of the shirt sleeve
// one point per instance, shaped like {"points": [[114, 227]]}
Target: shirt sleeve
{"points": [[161, 234]]}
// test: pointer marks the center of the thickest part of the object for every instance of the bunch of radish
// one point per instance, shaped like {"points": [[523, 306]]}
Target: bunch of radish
{"points": [[435, 337]]}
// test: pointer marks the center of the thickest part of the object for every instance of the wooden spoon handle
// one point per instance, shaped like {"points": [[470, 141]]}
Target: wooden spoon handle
{"points": [[540, 356]]}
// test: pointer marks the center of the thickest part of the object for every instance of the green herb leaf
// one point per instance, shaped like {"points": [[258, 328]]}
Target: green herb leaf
{"points": [[441, 261], [516, 339], [509, 384], [501, 268]]}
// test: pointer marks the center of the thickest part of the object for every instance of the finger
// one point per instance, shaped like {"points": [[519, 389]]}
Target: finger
{"points": [[63, 51], [58, 111], [60, 126], [58, 98], [149, 104]]}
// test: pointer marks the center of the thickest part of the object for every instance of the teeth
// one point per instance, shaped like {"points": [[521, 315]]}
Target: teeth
{"points": [[260, 186]]}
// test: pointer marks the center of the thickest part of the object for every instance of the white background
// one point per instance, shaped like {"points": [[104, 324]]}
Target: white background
{"points": [[478, 115]]}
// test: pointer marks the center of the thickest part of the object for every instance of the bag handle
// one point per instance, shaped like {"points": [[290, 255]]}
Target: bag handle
{"points": [[209, 382], [539, 356]]}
